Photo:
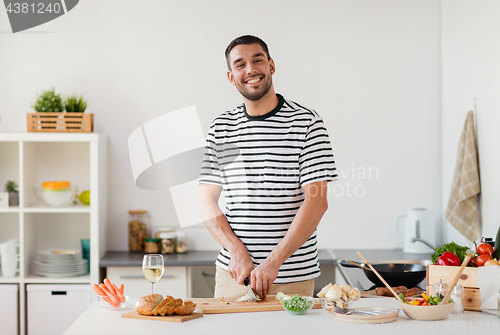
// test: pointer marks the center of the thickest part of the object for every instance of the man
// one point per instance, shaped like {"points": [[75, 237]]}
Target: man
{"points": [[273, 159]]}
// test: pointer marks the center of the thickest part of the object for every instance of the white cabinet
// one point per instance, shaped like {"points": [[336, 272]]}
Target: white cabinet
{"points": [[32, 158], [173, 282], [53, 308], [9, 310]]}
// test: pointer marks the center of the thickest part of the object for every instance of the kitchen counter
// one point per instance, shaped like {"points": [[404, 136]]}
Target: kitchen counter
{"points": [[96, 320], [356, 277], [191, 258]]}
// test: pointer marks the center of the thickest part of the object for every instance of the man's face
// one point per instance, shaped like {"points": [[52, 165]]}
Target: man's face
{"points": [[251, 72]]}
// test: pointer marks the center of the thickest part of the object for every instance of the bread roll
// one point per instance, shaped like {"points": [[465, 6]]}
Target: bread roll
{"points": [[323, 291], [334, 293], [346, 288], [145, 305], [354, 294]]}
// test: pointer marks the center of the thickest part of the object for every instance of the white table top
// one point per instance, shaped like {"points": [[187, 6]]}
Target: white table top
{"points": [[98, 320]]}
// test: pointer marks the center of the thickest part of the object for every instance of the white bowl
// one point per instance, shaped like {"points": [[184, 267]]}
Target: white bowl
{"points": [[56, 198], [427, 313]]}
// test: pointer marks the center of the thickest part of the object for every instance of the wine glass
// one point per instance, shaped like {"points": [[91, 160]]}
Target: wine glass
{"points": [[152, 267]]}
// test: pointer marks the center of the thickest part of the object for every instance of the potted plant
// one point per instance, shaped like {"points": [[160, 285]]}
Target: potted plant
{"points": [[75, 104], [49, 117], [10, 187], [48, 102]]}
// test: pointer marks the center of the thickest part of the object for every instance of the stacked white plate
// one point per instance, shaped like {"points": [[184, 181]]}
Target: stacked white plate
{"points": [[60, 263]]}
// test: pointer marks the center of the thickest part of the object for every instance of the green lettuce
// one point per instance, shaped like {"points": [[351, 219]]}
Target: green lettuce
{"points": [[458, 250]]}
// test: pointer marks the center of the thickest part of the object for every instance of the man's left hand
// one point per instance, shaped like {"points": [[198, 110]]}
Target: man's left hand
{"points": [[263, 276]]}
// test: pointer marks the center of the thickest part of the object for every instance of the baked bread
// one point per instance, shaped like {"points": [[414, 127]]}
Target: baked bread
{"points": [[146, 305], [154, 304], [187, 308]]}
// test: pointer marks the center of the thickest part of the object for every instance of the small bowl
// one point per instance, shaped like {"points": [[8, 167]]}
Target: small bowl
{"points": [[107, 305], [55, 198], [329, 306], [290, 306], [427, 313]]}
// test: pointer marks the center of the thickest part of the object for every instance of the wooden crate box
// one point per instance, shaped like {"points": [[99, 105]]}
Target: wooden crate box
{"points": [[61, 122], [471, 296]]}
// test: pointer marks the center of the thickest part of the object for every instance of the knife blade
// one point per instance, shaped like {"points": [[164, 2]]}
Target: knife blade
{"points": [[249, 290]]}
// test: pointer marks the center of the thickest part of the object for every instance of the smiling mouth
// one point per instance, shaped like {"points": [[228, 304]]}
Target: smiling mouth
{"points": [[253, 81]]}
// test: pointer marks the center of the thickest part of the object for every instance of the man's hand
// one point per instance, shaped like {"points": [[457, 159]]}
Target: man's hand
{"points": [[240, 266], [263, 276]]}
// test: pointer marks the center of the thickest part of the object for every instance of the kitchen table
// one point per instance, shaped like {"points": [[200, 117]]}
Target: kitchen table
{"points": [[96, 320]]}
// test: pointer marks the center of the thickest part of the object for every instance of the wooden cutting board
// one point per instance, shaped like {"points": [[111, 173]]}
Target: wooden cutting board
{"points": [[215, 306], [171, 318]]}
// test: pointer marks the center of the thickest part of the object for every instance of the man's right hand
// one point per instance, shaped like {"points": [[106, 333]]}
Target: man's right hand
{"points": [[240, 266]]}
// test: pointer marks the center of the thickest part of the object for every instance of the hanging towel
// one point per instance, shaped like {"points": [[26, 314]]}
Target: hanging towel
{"points": [[462, 206]]}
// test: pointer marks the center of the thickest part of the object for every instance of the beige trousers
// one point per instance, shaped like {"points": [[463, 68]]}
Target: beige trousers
{"points": [[225, 286]]}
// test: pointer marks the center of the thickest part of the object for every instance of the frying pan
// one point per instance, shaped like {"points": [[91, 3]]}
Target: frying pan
{"points": [[395, 274]]}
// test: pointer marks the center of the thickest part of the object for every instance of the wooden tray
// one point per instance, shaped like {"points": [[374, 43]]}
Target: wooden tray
{"points": [[60, 122], [215, 306], [171, 318], [390, 315]]}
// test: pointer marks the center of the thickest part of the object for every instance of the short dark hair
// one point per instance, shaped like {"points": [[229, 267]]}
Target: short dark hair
{"points": [[246, 39]]}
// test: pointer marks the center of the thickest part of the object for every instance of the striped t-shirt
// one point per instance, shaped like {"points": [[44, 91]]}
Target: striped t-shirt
{"points": [[262, 162]]}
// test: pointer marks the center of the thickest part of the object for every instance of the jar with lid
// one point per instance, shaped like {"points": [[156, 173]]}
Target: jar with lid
{"points": [[152, 246], [181, 247], [168, 242], [441, 288], [159, 230], [137, 230]]}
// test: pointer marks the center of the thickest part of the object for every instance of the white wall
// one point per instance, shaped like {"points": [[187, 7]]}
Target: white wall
{"points": [[471, 69], [370, 68]]}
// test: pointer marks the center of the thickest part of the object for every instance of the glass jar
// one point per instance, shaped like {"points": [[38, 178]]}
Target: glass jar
{"points": [[137, 230], [168, 242], [441, 288], [159, 230], [456, 295], [152, 246], [181, 247]]}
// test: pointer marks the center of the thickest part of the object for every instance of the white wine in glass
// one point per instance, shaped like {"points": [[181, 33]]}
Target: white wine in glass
{"points": [[152, 267]]}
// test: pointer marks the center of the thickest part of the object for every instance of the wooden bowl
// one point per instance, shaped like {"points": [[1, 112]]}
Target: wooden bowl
{"points": [[427, 313]]}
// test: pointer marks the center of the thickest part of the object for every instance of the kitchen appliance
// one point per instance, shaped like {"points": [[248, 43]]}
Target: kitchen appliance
{"points": [[419, 232], [395, 274]]}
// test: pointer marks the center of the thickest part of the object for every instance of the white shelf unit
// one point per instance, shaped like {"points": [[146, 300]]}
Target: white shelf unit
{"points": [[32, 158]]}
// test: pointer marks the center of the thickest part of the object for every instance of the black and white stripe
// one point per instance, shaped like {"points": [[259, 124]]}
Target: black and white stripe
{"points": [[262, 163]]}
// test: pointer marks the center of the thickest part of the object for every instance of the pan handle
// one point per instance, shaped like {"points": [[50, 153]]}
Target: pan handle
{"points": [[348, 264]]}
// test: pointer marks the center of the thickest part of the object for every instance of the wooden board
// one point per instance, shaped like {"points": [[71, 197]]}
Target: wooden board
{"points": [[215, 306], [389, 315], [171, 318], [448, 273]]}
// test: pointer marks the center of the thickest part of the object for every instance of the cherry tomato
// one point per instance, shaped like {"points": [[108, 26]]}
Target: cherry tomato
{"points": [[482, 259], [485, 249]]}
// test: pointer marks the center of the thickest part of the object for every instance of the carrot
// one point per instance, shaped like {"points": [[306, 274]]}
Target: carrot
{"points": [[109, 286], [114, 299], [119, 293], [122, 287], [109, 301], [98, 290]]}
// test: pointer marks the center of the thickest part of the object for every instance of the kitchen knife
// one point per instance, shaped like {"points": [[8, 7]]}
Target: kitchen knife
{"points": [[249, 290]]}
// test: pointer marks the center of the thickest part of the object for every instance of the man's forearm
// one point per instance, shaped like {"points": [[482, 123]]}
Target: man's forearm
{"points": [[221, 231]]}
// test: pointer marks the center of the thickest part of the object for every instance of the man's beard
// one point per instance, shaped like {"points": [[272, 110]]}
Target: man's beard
{"points": [[256, 95]]}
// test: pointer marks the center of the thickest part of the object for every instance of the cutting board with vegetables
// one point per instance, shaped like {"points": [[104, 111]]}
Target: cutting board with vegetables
{"points": [[230, 305], [171, 318]]}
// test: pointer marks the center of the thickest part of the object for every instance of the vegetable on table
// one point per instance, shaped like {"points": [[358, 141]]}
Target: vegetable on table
{"points": [[485, 248], [459, 251], [110, 292], [297, 304], [449, 259], [426, 301], [482, 259]]}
